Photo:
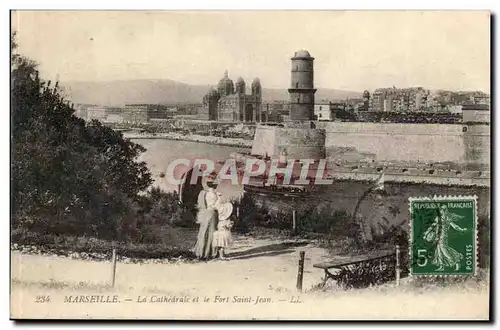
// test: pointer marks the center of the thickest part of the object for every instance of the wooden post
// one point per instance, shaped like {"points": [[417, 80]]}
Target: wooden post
{"points": [[355, 215], [398, 270], [113, 268], [294, 220], [300, 274]]}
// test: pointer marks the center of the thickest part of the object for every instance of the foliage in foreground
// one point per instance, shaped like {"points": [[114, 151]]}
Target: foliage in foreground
{"points": [[369, 273], [159, 218], [174, 246], [310, 220], [68, 176]]}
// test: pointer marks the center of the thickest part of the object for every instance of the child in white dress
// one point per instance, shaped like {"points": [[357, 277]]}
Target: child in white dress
{"points": [[222, 237]]}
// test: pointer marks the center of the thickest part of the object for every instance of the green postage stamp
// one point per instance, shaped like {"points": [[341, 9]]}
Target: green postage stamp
{"points": [[443, 236]]}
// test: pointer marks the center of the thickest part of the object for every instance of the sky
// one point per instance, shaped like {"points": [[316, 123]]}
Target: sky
{"points": [[353, 50]]}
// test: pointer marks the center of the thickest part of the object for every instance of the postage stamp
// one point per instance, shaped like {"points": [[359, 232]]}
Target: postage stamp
{"points": [[443, 236]]}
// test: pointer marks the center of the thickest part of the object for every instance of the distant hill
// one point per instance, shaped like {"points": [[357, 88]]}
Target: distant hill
{"points": [[165, 91]]}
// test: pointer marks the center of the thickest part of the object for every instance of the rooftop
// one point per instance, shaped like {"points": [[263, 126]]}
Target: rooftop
{"points": [[302, 54]]}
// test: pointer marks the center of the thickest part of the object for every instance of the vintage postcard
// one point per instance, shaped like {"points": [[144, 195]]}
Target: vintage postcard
{"points": [[250, 165]]}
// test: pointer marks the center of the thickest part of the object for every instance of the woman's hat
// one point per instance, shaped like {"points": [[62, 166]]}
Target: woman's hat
{"points": [[208, 179], [225, 211]]}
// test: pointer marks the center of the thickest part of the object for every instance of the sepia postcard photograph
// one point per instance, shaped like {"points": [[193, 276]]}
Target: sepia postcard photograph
{"points": [[250, 165]]}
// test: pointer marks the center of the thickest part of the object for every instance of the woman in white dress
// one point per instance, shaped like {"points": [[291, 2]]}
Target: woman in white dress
{"points": [[208, 200]]}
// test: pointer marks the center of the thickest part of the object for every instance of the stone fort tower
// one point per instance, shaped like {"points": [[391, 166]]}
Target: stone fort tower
{"points": [[302, 87], [298, 138]]}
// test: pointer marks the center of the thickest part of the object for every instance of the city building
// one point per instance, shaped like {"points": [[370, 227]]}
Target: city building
{"points": [[97, 113], [113, 115], [276, 111], [441, 100], [355, 104], [476, 113], [188, 109], [142, 113], [231, 103], [398, 100], [135, 113], [323, 111], [480, 98], [366, 101], [339, 110], [81, 110], [455, 109]]}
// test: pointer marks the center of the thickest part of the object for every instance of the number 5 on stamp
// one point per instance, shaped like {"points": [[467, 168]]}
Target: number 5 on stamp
{"points": [[443, 236]]}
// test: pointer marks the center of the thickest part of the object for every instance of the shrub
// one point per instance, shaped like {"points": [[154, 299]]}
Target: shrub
{"points": [[174, 246], [310, 219], [328, 221], [239, 131], [68, 176], [251, 214], [484, 246], [409, 117], [160, 208], [394, 235], [146, 219]]}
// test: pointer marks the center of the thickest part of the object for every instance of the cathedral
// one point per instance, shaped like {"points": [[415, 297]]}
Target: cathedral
{"points": [[231, 103]]}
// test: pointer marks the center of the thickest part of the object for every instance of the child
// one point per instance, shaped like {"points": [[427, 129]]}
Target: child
{"points": [[222, 237]]}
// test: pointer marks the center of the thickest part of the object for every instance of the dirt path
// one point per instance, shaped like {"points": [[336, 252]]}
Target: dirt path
{"points": [[257, 263], [259, 268]]}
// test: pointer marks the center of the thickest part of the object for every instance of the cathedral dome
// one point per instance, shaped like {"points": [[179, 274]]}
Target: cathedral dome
{"points": [[256, 88], [302, 53], [226, 85], [240, 86]]}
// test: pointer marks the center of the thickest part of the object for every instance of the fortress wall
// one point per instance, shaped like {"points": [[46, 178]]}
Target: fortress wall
{"points": [[477, 140], [264, 140], [298, 142], [408, 142], [301, 143]]}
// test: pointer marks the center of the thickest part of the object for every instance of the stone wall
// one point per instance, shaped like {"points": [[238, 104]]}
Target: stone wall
{"points": [[264, 141], [228, 108], [408, 142], [477, 141], [298, 142]]}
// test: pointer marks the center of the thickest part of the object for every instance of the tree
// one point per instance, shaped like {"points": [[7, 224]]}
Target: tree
{"points": [[67, 174]]}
